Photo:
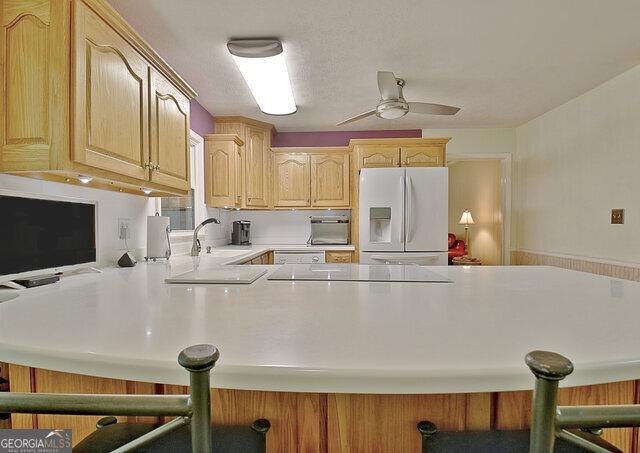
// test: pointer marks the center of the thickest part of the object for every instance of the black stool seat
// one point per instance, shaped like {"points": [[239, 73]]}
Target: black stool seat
{"points": [[497, 441], [226, 439]]}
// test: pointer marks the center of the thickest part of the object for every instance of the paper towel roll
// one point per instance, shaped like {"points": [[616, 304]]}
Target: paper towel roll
{"points": [[157, 237]]}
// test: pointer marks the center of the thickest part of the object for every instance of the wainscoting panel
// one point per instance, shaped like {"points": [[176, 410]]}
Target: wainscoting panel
{"points": [[593, 266]]}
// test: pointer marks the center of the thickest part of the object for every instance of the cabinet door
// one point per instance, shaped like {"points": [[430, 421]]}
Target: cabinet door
{"points": [[337, 257], [110, 118], [378, 156], [257, 167], [422, 156], [291, 181], [170, 154], [220, 173], [26, 43], [330, 180]]}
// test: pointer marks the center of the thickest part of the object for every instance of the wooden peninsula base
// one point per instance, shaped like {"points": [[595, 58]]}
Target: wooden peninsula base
{"points": [[320, 422]]}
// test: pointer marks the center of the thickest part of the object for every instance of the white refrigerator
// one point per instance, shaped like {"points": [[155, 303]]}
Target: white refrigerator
{"points": [[403, 215]]}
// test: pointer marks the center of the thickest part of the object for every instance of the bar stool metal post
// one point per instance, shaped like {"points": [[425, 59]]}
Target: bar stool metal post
{"points": [[549, 368], [199, 360]]}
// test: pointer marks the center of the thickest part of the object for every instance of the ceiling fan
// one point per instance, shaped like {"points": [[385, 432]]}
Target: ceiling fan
{"points": [[392, 104]]}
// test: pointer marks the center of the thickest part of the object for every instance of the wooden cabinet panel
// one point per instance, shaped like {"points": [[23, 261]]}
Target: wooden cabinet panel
{"points": [[25, 40], [291, 180], [378, 156], [257, 166], [111, 99], [330, 180], [220, 172], [337, 257], [169, 128], [422, 156]]}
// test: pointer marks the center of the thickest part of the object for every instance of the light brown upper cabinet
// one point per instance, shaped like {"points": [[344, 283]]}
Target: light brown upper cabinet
{"points": [[422, 156], [255, 155], [169, 132], [403, 152], [111, 128], [311, 177], [291, 180], [257, 167], [378, 156], [330, 180], [222, 162], [96, 101]]}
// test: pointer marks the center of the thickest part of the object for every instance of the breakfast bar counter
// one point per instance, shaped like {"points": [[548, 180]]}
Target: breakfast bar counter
{"points": [[332, 364]]}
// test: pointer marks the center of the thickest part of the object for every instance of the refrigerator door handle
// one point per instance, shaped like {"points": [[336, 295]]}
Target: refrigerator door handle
{"points": [[401, 232], [409, 213]]}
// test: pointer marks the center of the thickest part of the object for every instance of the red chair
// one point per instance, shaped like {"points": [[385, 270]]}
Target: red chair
{"points": [[456, 247]]}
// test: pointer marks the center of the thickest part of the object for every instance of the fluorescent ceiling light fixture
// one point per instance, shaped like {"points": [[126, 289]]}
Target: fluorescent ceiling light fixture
{"points": [[85, 179], [262, 65]]}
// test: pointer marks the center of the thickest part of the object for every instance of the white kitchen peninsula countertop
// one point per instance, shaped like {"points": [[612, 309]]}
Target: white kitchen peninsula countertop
{"points": [[467, 336]]}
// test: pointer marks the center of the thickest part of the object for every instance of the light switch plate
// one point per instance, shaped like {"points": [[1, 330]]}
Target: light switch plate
{"points": [[617, 216]]}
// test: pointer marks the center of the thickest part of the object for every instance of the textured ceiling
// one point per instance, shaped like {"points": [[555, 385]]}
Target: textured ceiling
{"points": [[502, 61]]}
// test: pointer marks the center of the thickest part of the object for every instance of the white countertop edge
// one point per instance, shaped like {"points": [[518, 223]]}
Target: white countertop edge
{"points": [[316, 380]]}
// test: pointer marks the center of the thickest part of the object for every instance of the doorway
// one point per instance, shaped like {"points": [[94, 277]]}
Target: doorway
{"points": [[482, 185]]}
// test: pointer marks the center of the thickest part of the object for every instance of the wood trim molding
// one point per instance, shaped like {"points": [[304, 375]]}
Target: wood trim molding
{"points": [[122, 27], [311, 149], [223, 138], [615, 269], [245, 120], [399, 141]]}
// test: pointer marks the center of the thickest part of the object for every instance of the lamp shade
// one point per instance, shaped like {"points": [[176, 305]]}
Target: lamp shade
{"points": [[466, 218]]}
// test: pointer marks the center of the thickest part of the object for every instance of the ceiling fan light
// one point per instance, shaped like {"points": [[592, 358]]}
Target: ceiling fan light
{"points": [[392, 110], [263, 67]]}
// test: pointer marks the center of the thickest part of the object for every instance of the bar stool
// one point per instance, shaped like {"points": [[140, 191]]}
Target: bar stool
{"points": [[190, 431], [560, 429]]}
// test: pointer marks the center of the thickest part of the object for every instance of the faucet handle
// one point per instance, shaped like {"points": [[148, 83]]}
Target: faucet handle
{"points": [[208, 249]]}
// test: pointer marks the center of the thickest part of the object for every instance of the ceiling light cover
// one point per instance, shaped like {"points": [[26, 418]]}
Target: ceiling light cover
{"points": [[264, 69]]}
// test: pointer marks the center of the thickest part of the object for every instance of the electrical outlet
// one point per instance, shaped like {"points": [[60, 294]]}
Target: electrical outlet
{"points": [[617, 216], [124, 232]]}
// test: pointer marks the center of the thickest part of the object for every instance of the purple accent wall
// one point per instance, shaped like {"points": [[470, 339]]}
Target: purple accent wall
{"points": [[337, 138], [201, 119]]}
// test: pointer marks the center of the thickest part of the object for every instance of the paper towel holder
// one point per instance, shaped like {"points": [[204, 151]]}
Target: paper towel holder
{"points": [[167, 255]]}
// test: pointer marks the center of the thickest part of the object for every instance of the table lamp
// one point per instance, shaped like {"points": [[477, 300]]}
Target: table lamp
{"points": [[466, 220]]}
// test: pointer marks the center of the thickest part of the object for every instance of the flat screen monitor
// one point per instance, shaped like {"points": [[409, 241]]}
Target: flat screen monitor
{"points": [[45, 235]]}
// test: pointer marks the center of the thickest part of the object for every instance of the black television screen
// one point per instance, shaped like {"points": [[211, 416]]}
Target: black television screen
{"points": [[40, 234]]}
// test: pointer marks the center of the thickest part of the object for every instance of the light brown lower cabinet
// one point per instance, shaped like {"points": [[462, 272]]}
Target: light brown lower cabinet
{"points": [[265, 258], [338, 256], [330, 422]]}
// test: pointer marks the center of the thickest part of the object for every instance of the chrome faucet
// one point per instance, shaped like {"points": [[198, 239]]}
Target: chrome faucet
{"points": [[195, 248]]}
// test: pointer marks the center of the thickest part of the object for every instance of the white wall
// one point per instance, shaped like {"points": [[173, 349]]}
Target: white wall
{"points": [[576, 163], [476, 141], [278, 227], [111, 207]]}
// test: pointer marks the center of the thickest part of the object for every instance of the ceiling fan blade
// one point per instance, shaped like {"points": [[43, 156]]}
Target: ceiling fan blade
{"points": [[387, 85], [432, 109], [357, 117]]}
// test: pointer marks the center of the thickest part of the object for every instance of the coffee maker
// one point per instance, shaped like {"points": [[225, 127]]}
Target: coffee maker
{"points": [[240, 232]]}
